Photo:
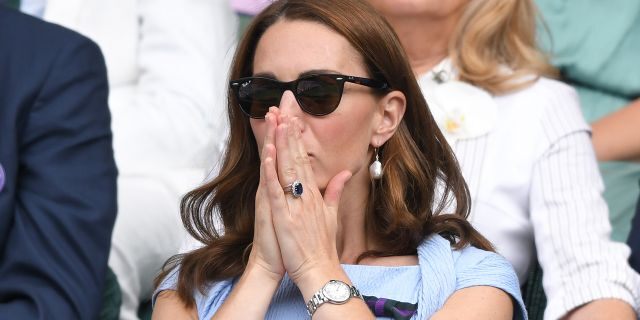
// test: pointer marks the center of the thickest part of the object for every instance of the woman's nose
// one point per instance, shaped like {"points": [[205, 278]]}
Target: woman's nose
{"points": [[289, 104]]}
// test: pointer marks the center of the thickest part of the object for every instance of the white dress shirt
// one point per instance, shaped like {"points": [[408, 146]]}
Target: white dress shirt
{"points": [[536, 188], [33, 7]]}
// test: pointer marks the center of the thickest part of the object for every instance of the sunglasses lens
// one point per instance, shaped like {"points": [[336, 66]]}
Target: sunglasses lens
{"points": [[257, 95], [319, 95]]}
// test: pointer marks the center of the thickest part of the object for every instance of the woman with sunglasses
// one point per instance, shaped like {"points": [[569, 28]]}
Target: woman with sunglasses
{"points": [[333, 189], [523, 147]]}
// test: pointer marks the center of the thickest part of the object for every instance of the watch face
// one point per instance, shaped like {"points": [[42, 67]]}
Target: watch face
{"points": [[337, 291]]}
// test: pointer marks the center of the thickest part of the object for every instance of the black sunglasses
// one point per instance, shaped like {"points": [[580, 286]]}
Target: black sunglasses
{"points": [[317, 94]]}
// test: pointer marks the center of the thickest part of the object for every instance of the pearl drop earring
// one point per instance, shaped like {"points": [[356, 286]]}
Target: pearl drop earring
{"points": [[375, 169]]}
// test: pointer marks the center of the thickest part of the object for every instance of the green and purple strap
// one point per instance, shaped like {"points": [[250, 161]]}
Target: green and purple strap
{"points": [[383, 307]]}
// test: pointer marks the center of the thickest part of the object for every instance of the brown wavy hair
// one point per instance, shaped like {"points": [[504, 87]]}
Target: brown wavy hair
{"points": [[493, 35], [421, 177]]}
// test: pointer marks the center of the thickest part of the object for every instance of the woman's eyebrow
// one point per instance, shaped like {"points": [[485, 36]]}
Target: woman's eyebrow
{"points": [[271, 75], [317, 71]]}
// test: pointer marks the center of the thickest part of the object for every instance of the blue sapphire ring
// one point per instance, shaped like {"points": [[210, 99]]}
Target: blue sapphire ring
{"points": [[294, 188]]}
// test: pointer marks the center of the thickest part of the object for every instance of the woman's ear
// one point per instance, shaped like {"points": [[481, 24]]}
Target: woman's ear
{"points": [[392, 107]]}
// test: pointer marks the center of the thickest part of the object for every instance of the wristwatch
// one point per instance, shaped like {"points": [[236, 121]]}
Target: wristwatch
{"points": [[334, 292]]}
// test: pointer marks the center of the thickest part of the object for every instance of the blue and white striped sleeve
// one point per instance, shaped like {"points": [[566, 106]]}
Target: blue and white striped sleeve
{"points": [[475, 267]]}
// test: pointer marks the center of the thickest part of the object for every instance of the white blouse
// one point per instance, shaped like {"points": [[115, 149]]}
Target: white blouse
{"points": [[535, 186]]}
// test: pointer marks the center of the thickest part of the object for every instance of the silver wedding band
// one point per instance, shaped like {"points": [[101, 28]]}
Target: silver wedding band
{"points": [[295, 189]]}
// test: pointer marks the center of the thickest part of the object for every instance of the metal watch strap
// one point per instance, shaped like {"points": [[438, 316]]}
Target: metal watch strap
{"points": [[319, 299]]}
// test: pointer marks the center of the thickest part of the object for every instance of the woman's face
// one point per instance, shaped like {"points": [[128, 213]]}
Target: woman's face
{"points": [[418, 8], [341, 139]]}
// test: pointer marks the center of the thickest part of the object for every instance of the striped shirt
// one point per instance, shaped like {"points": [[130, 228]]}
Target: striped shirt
{"points": [[536, 188]]}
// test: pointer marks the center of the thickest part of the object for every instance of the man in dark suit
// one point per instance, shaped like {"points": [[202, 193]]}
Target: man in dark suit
{"points": [[58, 191]]}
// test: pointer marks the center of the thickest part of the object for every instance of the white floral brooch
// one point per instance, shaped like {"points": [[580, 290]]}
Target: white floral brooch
{"points": [[462, 111]]}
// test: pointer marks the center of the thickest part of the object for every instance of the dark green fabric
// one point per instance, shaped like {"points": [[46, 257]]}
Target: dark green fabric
{"points": [[14, 4], [533, 294], [145, 310], [111, 298], [595, 44], [243, 21]]}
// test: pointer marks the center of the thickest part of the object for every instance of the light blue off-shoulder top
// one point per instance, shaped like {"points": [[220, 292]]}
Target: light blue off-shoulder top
{"points": [[439, 273]]}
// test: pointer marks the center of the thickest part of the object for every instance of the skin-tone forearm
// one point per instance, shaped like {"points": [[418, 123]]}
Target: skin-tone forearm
{"points": [[251, 295], [168, 306], [603, 309], [616, 137]]}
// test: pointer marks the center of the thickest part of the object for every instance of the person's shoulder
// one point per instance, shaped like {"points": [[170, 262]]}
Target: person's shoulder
{"points": [[437, 245], [21, 32], [547, 106], [44, 56], [542, 92], [471, 257], [215, 292], [466, 257], [432, 243], [539, 100], [552, 89]]}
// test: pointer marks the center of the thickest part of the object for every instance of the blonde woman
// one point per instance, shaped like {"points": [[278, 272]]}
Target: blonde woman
{"points": [[523, 146]]}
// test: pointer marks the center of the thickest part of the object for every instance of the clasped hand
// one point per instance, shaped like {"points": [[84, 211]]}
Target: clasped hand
{"points": [[293, 235]]}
